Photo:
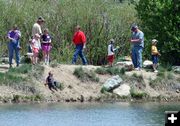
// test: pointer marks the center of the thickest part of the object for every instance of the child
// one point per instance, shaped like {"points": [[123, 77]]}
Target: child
{"points": [[50, 82], [155, 54], [111, 50], [35, 45], [46, 46]]}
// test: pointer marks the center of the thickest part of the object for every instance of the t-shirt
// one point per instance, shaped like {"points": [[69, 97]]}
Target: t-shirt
{"points": [[36, 29], [138, 35], [50, 80], [36, 44], [154, 50], [110, 49], [15, 34], [79, 38], [46, 38]]}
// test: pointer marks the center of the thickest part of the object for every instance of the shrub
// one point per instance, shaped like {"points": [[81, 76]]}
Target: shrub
{"points": [[101, 71]]}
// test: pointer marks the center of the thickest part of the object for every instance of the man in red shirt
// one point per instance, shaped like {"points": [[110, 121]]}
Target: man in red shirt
{"points": [[79, 39]]}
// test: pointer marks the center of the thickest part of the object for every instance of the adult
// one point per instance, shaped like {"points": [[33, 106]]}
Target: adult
{"points": [[137, 41], [79, 39], [36, 29], [14, 36], [37, 26]]}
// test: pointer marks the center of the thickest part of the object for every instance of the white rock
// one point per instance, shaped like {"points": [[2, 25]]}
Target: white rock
{"points": [[112, 83], [122, 90], [147, 63]]}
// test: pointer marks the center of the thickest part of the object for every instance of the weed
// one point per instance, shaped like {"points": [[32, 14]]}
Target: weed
{"points": [[23, 69], [101, 71]]}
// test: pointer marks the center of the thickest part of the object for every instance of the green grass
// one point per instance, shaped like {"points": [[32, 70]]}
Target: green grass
{"points": [[23, 69], [137, 95], [110, 70], [85, 75]]}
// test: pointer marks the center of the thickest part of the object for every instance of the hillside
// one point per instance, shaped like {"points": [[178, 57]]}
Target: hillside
{"points": [[30, 87]]}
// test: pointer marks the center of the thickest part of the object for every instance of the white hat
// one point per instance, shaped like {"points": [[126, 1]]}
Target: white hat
{"points": [[154, 41]]}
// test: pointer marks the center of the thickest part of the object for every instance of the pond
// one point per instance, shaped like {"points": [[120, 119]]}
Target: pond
{"points": [[85, 114]]}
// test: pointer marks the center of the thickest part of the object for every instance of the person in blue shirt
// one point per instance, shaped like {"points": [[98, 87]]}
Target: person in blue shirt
{"points": [[137, 41]]}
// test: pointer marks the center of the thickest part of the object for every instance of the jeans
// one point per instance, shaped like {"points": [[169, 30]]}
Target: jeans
{"points": [[137, 56], [14, 46], [79, 51]]}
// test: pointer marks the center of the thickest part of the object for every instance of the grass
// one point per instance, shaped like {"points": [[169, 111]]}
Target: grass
{"points": [[137, 94], [85, 75], [110, 70]]}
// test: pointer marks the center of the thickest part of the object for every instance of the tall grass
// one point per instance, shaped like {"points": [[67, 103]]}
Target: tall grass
{"points": [[99, 19]]}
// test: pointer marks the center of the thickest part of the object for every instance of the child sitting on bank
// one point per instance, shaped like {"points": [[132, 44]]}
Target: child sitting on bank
{"points": [[155, 53], [111, 51], [51, 82], [46, 46], [36, 46]]}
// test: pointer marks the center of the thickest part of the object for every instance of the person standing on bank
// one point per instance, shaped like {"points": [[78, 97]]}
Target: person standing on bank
{"points": [[137, 41], [79, 39], [14, 36], [37, 29]]}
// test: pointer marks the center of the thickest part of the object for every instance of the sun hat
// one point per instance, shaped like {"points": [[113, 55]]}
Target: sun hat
{"points": [[154, 41], [112, 40]]}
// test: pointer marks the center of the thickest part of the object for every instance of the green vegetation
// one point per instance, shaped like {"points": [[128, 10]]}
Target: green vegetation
{"points": [[137, 94], [110, 70], [160, 19], [85, 75], [99, 19]]}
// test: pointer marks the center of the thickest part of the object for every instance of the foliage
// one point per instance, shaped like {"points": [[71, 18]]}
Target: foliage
{"points": [[85, 75], [137, 94], [99, 19], [160, 19]]}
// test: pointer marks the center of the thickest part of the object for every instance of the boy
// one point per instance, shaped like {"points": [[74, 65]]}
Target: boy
{"points": [[155, 54], [50, 82], [111, 50]]}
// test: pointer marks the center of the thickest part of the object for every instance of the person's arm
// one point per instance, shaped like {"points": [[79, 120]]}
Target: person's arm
{"points": [[83, 39], [141, 36], [154, 50], [8, 36]]}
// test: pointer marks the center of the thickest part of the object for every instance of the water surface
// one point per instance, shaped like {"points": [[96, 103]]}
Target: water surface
{"points": [[93, 114]]}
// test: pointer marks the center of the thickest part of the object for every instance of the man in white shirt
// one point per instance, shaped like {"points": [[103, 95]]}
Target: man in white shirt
{"points": [[37, 27]]}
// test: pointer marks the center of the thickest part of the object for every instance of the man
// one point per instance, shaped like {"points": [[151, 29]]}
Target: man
{"points": [[137, 41], [36, 30], [14, 36], [37, 27], [79, 39]]}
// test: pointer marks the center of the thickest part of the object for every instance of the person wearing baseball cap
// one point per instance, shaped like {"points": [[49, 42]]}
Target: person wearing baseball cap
{"points": [[154, 54], [137, 40]]}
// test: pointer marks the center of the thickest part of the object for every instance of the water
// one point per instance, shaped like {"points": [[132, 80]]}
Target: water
{"points": [[96, 114]]}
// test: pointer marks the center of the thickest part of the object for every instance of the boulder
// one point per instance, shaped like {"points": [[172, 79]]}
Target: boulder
{"points": [[112, 83], [176, 69], [128, 65], [147, 64], [122, 90]]}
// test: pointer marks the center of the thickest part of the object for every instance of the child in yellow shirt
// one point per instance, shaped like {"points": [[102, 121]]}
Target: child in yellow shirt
{"points": [[155, 53]]}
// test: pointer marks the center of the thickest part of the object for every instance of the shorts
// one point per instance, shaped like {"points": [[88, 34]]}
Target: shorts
{"points": [[46, 47], [35, 50], [154, 59], [110, 58]]}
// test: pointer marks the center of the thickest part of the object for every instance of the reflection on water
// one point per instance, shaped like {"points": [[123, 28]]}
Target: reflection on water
{"points": [[96, 114]]}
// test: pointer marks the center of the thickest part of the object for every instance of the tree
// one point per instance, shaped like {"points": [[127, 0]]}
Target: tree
{"points": [[161, 20]]}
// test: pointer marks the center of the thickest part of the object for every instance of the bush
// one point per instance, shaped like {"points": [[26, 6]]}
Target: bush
{"points": [[101, 70]]}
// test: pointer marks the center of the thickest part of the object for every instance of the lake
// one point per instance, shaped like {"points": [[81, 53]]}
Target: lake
{"points": [[85, 114]]}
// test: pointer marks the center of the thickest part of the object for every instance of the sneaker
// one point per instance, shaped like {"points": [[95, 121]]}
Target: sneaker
{"points": [[155, 71], [137, 69]]}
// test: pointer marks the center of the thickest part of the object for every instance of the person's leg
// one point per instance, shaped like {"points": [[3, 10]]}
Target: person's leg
{"points": [[81, 54], [76, 54], [17, 52], [11, 49], [47, 55], [139, 56], [134, 57]]}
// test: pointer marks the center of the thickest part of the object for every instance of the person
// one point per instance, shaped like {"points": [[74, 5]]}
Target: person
{"points": [[155, 53], [14, 36], [137, 41], [50, 82], [46, 46], [36, 30], [79, 39], [111, 51], [35, 44]]}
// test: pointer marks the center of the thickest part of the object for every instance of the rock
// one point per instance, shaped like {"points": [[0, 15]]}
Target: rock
{"points": [[176, 69], [177, 91], [128, 65], [112, 83], [147, 64], [122, 90], [6, 60]]}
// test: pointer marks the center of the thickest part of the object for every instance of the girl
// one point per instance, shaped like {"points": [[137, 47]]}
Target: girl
{"points": [[46, 46], [35, 44]]}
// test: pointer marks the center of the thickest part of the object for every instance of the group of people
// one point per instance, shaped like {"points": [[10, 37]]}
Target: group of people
{"points": [[42, 40], [137, 42]]}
